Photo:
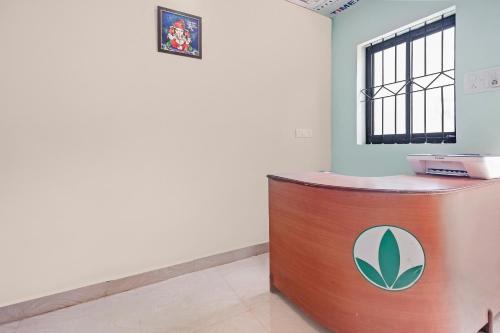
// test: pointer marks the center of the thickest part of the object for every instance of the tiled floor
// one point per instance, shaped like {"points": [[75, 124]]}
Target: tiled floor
{"points": [[232, 298]]}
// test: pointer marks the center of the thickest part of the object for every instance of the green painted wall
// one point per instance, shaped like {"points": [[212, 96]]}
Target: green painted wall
{"points": [[478, 47]]}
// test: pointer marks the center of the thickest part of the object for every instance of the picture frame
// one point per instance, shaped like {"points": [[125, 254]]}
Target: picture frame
{"points": [[179, 33]]}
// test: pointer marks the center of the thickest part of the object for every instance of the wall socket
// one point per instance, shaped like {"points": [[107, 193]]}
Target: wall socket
{"points": [[481, 81], [303, 133]]}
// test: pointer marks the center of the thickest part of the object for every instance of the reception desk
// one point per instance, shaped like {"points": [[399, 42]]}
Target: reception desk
{"points": [[413, 254]]}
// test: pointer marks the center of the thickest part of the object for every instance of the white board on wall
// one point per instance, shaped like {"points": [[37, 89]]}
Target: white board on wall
{"points": [[329, 8]]}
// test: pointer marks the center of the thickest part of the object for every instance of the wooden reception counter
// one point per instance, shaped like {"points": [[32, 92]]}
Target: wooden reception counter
{"points": [[415, 254]]}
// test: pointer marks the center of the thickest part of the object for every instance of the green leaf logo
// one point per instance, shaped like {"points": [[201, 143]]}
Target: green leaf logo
{"points": [[391, 258]]}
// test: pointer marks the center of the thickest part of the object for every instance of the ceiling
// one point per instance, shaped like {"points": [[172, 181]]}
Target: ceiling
{"points": [[330, 8]]}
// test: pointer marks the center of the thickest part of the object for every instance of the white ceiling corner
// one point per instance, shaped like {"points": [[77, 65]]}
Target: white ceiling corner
{"points": [[330, 8]]}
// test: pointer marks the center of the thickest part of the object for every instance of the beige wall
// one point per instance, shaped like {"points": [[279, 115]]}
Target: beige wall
{"points": [[116, 159]]}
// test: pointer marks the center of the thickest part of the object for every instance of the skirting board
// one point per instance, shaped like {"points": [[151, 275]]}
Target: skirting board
{"points": [[65, 299]]}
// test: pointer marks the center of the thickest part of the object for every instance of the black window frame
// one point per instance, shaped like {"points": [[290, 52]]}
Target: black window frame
{"points": [[409, 137]]}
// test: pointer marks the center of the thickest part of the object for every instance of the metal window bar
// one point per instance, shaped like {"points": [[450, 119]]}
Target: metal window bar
{"points": [[455, 87], [395, 97], [373, 93], [425, 73], [383, 82], [409, 89], [442, 88]]}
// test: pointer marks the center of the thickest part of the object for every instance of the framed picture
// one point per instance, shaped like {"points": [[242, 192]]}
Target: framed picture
{"points": [[179, 33]]}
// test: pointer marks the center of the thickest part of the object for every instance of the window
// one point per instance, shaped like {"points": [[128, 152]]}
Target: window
{"points": [[410, 85]]}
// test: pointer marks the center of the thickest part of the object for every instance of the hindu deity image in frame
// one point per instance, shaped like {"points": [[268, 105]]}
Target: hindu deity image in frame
{"points": [[179, 33]]}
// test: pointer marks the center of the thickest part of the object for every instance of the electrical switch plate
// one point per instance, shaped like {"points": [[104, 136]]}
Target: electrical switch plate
{"points": [[303, 133], [481, 81]]}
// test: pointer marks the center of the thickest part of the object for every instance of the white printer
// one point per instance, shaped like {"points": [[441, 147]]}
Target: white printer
{"points": [[463, 165]]}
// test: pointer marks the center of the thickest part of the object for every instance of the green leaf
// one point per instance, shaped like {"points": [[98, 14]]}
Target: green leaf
{"points": [[408, 277], [371, 273], [389, 258]]}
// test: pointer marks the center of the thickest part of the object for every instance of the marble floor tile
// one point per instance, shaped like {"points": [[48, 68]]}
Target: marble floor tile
{"points": [[248, 278], [278, 315], [182, 304], [231, 298], [188, 302], [9, 328], [243, 323]]}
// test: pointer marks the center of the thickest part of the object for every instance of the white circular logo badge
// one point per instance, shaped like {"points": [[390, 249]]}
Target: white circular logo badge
{"points": [[389, 257]]}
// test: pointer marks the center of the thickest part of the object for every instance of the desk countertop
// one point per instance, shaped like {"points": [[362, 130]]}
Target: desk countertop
{"points": [[402, 184]]}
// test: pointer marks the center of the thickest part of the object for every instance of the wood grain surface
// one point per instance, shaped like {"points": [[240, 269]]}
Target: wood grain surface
{"points": [[313, 230], [405, 184]]}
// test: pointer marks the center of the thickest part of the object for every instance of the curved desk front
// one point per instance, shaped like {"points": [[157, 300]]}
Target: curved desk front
{"points": [[413, 254]]}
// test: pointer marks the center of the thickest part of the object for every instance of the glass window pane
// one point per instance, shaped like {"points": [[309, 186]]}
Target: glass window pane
{"points": [[434, 53], [432, 101], [418, 57], [434, 111], [449, 109], [401, 114], [389, 65], [377, 69], [401, 67], [449, 49], [389, 115], [377, 117], [418, 112]]}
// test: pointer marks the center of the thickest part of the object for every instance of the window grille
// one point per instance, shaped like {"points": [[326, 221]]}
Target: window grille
{"points": [[410, 86]]}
